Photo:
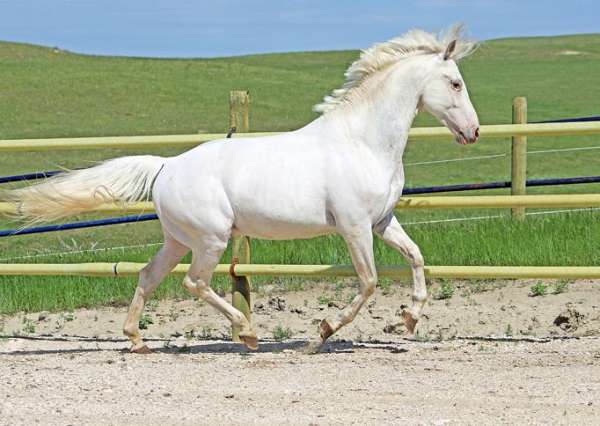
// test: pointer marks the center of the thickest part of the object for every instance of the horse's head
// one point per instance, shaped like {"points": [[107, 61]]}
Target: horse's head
{"points": [[445, 96]]}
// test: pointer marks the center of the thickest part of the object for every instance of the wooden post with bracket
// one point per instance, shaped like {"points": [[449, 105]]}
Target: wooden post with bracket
{"points": [[239, 117]]}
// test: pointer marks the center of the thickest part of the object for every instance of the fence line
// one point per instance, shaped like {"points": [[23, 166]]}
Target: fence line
{"points": [[50, 173], [463, 202], [546, 151], [68, 252], [244, 270], [452, 160], [78, 225], [486, 157], [417, 133], [407, 191], [426, 222], [498, 216]]}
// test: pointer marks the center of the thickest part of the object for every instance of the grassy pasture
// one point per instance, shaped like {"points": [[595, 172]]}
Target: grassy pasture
{"points": [[52, 93]]}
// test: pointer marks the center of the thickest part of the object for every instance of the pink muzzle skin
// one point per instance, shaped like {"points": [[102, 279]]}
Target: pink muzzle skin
{"points": [[467, 137]]}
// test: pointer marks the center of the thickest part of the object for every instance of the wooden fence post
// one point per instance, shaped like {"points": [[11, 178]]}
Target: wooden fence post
{"points": [[519, 156], [239, 110], [239, 117]]}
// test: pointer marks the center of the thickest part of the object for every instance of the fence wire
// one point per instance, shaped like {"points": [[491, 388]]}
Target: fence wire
{"points": [[427, 222]]}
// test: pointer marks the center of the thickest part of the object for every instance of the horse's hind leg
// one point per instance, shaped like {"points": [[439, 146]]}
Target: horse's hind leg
{"points": [[360, 244], [150, 277], [392, 233], [197, 281]]}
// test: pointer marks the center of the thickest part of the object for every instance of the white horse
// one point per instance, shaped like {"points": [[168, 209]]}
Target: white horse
{"points": [[341, 173]]}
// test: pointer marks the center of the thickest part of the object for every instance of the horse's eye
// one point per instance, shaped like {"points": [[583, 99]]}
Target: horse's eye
{"points": [[456, 85]]}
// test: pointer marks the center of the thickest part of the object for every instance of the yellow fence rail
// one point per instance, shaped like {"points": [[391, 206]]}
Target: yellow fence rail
{"points": [[462, 202], [187, 141], [467, 272]]}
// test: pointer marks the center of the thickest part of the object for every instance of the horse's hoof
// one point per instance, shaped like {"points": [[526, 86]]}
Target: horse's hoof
{"points": [[250, 340], [140, 349], [325, 330], [410, 322]]}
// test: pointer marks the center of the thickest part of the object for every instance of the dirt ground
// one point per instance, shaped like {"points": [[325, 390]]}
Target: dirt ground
{"points": [[542, 366]]}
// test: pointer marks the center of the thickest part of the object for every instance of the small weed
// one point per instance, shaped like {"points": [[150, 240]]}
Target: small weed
{"points": [[509, 330], [189, 333], [560, 287], [173, 315], [386, 286], [28, 326], [280, 333], [421, 337], [440, 335], [206, 332], [152, 305], [294, 285], [69, 316], [446, 291], [145, 321], [325, 299], [479, 287], [539, 289]]}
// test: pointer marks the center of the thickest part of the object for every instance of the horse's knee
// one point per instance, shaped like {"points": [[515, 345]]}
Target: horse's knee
{"points": [[146, 273], [147, 281], [416, 258]]}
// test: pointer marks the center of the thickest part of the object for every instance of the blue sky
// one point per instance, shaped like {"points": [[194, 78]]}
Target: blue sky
{"points": [[234, 27]]}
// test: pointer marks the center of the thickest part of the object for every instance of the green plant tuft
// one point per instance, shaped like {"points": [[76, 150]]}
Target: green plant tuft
{"points": [[280, 333], [538, 289]]}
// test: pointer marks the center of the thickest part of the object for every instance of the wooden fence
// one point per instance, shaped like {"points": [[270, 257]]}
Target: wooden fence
{"points": [[240, 118]]}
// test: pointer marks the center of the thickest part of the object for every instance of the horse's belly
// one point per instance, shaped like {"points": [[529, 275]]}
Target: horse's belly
{"points": [[272, 227], [284, 232]]}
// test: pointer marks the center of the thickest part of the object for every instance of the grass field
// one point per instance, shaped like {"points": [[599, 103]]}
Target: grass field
{"points": [[51, 93]]}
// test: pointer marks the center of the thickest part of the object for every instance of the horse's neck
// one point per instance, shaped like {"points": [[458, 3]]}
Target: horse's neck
{"points": [[382, 115]]}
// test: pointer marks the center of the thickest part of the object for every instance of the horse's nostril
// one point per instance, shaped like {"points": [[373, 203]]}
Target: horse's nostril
{"points": [[477, 133]]}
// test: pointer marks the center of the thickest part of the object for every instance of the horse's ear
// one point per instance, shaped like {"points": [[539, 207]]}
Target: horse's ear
{"points": [[449, 50]]}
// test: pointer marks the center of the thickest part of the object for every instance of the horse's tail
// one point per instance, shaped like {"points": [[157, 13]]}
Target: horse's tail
{"points": [[120, 180]]}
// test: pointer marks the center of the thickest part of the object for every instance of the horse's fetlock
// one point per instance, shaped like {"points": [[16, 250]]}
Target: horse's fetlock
{"points": [[420, 296], [130, 330], [369, 290]]}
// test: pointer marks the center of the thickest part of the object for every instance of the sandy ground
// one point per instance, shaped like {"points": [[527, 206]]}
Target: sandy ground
{"points": [[74, 368]]}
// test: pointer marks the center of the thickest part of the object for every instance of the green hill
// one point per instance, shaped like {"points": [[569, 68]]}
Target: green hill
{"points": [[48, 92]]}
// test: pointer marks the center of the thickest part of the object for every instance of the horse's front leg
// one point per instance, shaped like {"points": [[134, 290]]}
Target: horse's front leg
{"points": [[360, 244], [392, 233]]}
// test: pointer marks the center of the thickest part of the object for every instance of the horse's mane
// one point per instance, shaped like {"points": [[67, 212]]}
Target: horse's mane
{"points": [[382, 55]]}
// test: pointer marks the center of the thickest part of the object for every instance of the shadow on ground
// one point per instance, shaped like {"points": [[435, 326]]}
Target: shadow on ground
{"points": [[205, 347]]}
